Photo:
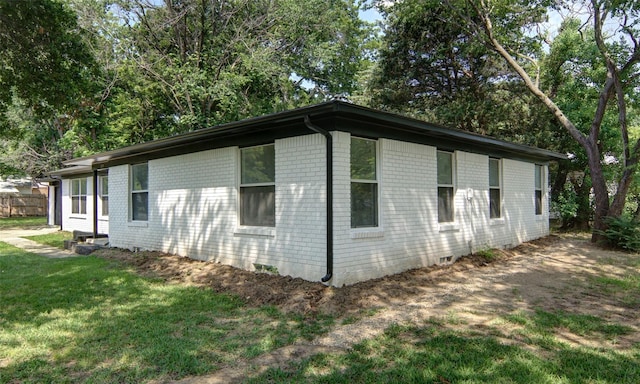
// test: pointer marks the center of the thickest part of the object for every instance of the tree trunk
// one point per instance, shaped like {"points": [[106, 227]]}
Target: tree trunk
{"points": [[600, 192]]}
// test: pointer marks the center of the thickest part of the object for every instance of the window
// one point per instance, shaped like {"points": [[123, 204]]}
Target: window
{"points": [[258, 186], [495, 179], [539, 182], [140, 192], [364, 183], [104, 194], [79, 196], [445, 186]]}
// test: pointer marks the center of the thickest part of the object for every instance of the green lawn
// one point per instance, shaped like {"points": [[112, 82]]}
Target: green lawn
{"points": [[55, 239], [22, 222], [434, 353], [89, 320]]}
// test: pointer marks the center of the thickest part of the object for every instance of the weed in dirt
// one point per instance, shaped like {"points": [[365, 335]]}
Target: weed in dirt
{"points": [[626, 288], [487, 254]]}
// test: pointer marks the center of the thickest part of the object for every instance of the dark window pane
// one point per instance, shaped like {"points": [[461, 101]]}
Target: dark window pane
{"points": [[494, 203], [140, 177], [445, 168], [258, 206], [364, 205], [538, 198], [75, 187], [83, 204], [445, 204], [538, 177], [140, 205], [494, 173], [75, 205], [83, 186], [258, 164], [363, 159], [105, 205], [105, 186]]}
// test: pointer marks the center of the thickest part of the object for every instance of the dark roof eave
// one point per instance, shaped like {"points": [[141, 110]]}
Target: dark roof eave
{"points": [[338, 108]]}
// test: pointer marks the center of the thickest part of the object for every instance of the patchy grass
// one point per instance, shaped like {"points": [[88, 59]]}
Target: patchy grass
{"points": [[433, 353], [55, 239], [22, 222], [89, 320]]}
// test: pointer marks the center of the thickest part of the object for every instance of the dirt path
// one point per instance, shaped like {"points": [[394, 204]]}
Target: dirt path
{"points": [[550, 274]]}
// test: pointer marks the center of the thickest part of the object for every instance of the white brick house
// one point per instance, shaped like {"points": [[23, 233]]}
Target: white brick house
{"points": [[253, 194]]}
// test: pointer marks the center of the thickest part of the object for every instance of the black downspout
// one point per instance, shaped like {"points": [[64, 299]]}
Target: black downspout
{"points": [[329, 142], [95, 204]]}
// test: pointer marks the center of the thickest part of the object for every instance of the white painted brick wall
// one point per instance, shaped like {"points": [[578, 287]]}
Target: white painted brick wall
{"points": [[193, 202], [409, 234]]}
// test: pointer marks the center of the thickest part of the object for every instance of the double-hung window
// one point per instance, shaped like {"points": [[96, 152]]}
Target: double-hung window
{"points": [[258, 186], [79, 196], [539, 182], [140, 192], [364, 183], [445, 186], [495, 193], [104, 194]]}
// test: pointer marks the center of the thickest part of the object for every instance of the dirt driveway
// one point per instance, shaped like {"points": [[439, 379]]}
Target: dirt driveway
{"points": [[551, 274]]}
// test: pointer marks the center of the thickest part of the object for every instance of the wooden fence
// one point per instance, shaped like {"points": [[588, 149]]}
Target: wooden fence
{"points": [[23, 205]]}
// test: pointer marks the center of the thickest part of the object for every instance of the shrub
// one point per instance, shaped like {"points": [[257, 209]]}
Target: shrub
{"points": [[622, 232]]}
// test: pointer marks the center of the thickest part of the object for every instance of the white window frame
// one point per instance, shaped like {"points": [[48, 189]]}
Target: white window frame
{"points": [[375, 181], [497, 187], [538, 203], [242, 185], [80, 196], [133, 192], [104, 180], [452, 186]]}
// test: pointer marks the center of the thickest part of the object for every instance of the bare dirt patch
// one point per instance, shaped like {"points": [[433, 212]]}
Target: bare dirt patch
{"points": [[553, 274], [304, 297]]}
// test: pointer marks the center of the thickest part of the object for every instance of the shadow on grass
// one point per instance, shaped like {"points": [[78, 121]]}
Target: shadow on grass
{"points": [[84, 319], [430, 355]]}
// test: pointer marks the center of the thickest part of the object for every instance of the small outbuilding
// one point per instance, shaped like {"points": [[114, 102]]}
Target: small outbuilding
{"points": [[333, 192]]}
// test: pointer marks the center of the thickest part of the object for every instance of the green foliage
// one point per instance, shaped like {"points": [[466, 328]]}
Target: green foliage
{"points": [[44, 59], [622, 232], [488, 254], [85, 76], [566, 204], [438, 70]]}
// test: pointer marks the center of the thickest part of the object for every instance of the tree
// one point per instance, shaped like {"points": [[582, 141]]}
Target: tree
{"points": [[620, 54], [218, 60], [46, 74], [43, 56], [435, 69]]}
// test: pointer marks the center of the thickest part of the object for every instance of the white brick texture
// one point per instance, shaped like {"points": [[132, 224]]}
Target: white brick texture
{"points": [[193, 210], [193, 205]]}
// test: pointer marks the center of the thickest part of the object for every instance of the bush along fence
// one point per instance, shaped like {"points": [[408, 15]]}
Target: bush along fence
{"points": [[23, 205]]}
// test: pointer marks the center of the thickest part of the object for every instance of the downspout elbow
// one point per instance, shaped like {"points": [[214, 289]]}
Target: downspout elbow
{"points": [[329, 149]]}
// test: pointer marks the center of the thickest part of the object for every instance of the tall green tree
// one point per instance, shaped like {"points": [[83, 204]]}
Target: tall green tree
{"points": [[45, 80], [219, 60], [502, 25], [458, 54], [43, 58]]}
